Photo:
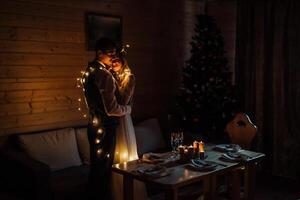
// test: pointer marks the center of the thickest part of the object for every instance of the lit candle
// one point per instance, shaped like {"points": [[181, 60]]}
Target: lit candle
{"points": [[181, 149], [196, 147], [201, 148], [191, 150], [185, 151]]}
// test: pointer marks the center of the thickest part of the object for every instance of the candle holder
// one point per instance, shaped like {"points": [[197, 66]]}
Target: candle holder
{"points": [[201, 155], [186, 153], [198, 150]]}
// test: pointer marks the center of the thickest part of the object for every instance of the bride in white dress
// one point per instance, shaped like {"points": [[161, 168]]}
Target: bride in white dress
{"points": [[126, 148]]}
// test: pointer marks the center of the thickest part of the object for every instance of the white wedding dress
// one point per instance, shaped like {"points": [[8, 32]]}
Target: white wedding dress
{"points": [[126, 150]]}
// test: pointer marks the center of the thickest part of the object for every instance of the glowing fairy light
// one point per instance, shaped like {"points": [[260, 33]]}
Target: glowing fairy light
{"points": [[99, 151], [84, 115], [100, 131], [79, 99], [97, 141], [79, 109], [86, 73], [95, 121], [108, 155], [92, 69]]}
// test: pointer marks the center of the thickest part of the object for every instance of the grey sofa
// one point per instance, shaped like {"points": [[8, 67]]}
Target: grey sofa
{"points": [[55, 164]]}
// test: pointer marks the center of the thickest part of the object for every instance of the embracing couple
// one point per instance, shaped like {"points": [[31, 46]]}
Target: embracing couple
{"points": [[108, 87]]}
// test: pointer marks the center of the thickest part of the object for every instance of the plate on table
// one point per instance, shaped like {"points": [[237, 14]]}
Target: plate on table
{"points": [[155, 158], [201, 165], [227, 147], [232, 157], [154, 171]]}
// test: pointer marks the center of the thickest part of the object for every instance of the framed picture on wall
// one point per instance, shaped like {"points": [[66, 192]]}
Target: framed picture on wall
{"points": [[101, 25]]}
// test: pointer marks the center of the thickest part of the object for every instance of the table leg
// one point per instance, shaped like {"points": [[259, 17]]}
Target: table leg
{"points": [[213, 187], [171, 194], [235, 180], [250, 172], [209, 187], [127, 187]]}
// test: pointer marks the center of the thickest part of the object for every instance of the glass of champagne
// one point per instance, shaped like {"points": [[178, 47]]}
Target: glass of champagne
{"points": [[174, 141], [180, 138]]}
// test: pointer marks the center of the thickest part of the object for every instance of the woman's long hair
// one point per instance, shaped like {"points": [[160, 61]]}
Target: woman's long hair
{"points": [[123, 75]]}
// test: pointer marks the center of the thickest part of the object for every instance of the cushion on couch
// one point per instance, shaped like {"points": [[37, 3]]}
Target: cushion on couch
{"points": [[83, 145], [57, 149], [148, 136]]}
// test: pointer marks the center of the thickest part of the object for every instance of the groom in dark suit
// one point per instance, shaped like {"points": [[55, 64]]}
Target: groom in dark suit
{"points": [[104, 110]]}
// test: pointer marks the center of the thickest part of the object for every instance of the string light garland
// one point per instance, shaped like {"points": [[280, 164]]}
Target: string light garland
{"points": [[80, 81]]}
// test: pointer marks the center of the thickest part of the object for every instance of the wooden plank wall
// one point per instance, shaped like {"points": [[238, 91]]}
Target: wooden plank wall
{"points": [[42, 51]]}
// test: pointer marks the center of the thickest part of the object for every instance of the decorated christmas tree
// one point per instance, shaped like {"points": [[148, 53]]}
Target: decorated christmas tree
{"points": [[207, 100]]}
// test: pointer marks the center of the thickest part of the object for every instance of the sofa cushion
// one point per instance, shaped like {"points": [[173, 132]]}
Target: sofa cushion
{"points": [[57, 149], [70, 183], [83, 145], [149, 136]]}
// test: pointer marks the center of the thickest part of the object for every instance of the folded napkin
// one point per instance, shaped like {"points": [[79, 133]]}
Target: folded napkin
{"points": [[154, 171], [227, 147], [232, 157], [157, 157], [201, 165]]}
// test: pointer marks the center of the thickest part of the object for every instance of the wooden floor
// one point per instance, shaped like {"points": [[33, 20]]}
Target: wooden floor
{"points": [[276, 188]]}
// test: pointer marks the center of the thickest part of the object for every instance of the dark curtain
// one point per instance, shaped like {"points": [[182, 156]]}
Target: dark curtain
{"points": [[268, 78]]}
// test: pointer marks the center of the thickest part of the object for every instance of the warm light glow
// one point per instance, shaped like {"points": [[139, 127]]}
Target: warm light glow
{"points": [[186, 173], [97, 141], [99, 151], [84, 115], [196, 146], [201, 146], [79, 99], [100, 130], [108, 155], [79, 109], [125, 155], [86, 73], [82, 72], [95, 122], [181, 149], [78, 86]]}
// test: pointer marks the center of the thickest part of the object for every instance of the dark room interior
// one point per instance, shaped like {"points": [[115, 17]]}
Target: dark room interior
{"points": [[222, 75]]}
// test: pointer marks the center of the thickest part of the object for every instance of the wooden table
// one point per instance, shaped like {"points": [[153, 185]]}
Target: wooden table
{"points": [[181, 176]]}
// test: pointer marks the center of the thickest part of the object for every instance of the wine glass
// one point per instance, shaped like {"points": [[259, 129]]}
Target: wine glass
{"points": [[180, 138], [174, 141]]}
